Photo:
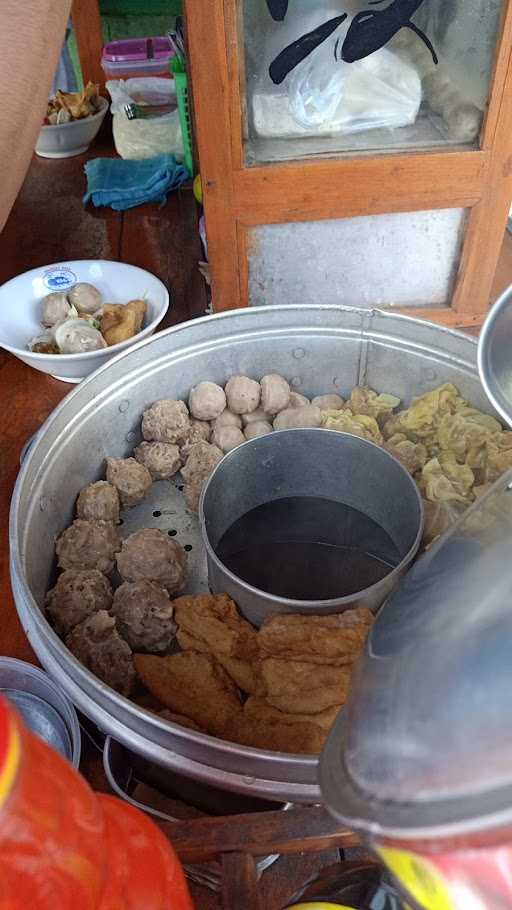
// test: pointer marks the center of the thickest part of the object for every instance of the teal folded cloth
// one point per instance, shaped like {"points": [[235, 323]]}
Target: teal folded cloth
{"points": [[124, 184]]}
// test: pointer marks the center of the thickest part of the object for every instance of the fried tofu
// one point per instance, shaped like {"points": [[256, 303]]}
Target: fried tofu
{"points": [[214, 620], [276, 731], [193, 685], [181, 720], [246, 674], [297, 687], [336, 639], [260, 709]]}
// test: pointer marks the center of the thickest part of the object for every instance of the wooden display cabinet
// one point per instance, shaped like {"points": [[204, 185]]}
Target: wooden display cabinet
{"points": [[411, 216]]}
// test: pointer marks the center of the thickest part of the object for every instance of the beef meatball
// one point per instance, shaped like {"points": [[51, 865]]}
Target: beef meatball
{"points": [[97, 644], [78, 594], [144, 614], [227, 438], [297, 400], [151, 554], [243, 394], [85, 298], [98, 502], [330, 402], [88, 545], [255, 416], [166, 421], [275, 394], [206, 401], [55, 308], [257, 428], [227, 419], [306, 416], [200, 431], [160, 458], [200, 463], [131, 479]]}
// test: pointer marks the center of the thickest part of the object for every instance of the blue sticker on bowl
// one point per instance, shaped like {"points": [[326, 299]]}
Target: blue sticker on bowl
{"points": [[59, 278]]}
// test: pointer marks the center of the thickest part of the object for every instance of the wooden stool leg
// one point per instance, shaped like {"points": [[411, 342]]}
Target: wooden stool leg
{"points": [[239, 882]]}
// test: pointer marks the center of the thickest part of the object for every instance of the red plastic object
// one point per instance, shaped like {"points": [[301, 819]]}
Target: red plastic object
{"points": [[64, 846]]}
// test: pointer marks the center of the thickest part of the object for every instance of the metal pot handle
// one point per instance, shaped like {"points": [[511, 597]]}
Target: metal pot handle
{"points": [[199, 874]]}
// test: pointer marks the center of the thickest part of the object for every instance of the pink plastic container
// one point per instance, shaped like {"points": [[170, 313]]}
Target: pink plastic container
{"points": [[137, 57]]}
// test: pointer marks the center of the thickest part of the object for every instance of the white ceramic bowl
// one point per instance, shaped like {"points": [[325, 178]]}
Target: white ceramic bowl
{"points": [[20, 310], [63, 140]]}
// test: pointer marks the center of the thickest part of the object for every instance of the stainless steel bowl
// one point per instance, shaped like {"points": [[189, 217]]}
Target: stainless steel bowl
{"points": [[320, 349], [495, 355], [336, 468]]}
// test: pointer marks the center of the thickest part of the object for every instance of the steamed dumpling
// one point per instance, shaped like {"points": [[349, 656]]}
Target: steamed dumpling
{"points": [[75, 336]]}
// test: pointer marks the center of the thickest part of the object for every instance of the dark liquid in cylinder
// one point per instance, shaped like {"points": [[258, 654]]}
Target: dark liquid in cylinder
{"points": [[307, 548]]}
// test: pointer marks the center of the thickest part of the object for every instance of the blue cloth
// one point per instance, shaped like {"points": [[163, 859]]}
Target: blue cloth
{"points": [[124, 184]]}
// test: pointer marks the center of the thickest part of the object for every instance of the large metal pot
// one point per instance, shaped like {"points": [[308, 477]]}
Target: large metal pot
{"points": [[320, 349]]}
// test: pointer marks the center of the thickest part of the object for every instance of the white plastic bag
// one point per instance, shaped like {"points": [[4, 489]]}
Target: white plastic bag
{"points": [[381, 90], [145, 138]]}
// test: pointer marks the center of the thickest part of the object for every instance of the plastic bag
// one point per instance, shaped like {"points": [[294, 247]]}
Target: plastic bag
{"points": [[381, 90], [145, 138]]}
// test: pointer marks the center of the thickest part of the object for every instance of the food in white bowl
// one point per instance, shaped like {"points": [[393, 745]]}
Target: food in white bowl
{"points": [[66, 106], [38, 304], [79, 321], [72, 121]]}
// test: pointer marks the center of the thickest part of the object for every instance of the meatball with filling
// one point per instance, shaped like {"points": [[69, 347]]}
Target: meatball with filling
{"points": [[131, 479], [151, 554], [97, 644], [98, 502], [166, 421], [88, 545], [160, 458], [78, 594], [143, 615]]}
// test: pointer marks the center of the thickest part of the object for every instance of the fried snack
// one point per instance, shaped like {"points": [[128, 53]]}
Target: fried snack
{"points": [[277, 735], [181, 720], [193, 685], [443, 479], [334, 640], [261, 709], [150, 703], [214, 620], [356, 424], [298, 687], [246, 674], [66, 106], [122, 321]]}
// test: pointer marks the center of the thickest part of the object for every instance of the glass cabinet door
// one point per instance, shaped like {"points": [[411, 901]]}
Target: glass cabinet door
{"points": [[324, 77]]}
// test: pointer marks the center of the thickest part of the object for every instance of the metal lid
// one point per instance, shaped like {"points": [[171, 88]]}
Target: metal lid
{"points": [[494, 355], [424, 746]]}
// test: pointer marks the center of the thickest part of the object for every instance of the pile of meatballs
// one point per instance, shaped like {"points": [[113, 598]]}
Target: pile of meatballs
{"points": [[101, 626]]}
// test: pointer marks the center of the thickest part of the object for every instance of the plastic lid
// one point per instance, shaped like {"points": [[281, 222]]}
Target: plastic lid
{"points": [[426, 738], [133, 50]]}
